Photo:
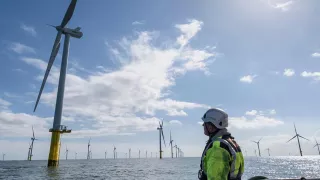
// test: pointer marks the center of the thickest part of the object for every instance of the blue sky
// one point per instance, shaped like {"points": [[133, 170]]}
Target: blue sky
{"points": [[141, 61]]}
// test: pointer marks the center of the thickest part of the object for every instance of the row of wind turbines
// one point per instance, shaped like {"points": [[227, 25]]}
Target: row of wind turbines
{"points": [[178, 150], [296, 136]]}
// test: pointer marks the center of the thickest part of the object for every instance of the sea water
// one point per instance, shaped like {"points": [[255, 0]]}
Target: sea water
{"points": [[152, 168]]}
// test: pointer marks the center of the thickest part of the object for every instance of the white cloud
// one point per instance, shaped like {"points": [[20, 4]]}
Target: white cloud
{"points": [[314, 75], [316, 54], [282, 6], [112, 100], [188, 31], [11, 95], [4, 103], [138, 23], [21, 48], [19, 124], [251, 113], [19, 70], [255, 122], [288, 72], [247, 79], [29, 29], [175, 122], [200, 123], [273, 112]]}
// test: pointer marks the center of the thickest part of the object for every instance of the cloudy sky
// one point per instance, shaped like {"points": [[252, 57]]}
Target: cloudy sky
{"points": [[140, 62]]}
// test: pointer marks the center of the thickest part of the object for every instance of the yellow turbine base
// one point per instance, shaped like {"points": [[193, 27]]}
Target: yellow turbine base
{"points": [[54, 154]]}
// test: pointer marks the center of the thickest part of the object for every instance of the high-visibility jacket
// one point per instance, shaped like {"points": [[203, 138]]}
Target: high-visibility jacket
{"points": [[222, 159]]}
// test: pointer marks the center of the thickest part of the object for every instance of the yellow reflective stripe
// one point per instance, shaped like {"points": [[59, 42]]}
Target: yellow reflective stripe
{"points": [[234, 157]]}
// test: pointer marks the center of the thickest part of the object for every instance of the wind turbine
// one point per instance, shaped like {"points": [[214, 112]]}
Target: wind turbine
{"points": [[268, 149], [160, 128], [139, 153], [255, 152], [317, 144], [297, 136], [57, 128], [33, 138], [246, 152], [29, 152], [114, 152], [3, 156], [66, 152], [75, 155], [129, 153], [88, 155], [178, 152], [175, 146], [258, 143], [171, 141], [105, 154]]}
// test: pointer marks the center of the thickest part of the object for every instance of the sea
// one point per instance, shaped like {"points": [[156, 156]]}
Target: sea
{"points": [[151, 168]]}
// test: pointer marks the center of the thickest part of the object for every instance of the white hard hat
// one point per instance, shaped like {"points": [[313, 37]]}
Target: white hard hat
{"points": [[217, 117]]}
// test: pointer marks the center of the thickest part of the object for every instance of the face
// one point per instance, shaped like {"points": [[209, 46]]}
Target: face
{"points": [[208, 129]]}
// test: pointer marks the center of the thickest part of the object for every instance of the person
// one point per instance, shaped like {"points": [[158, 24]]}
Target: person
{"points": [[222, 158]]}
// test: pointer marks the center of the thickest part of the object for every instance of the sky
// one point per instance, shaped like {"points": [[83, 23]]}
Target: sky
{"points": [[140, 62]]}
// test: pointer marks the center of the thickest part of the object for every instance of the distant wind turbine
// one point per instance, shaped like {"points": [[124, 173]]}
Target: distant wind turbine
{"points": [[88, 155], [114, 152], [258, 143], [255, 152], [105, 154], [297, 136], [160, 128], [129, 153], [171, 141], [175, 146], [66, 152], [75, 155], [3, 156], [33, 138], [139, 153], [268, 149], [317, 144]]}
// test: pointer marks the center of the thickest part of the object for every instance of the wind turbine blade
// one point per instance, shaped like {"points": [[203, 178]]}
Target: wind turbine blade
{"points": [[69, 13], [254, 141], [315, 145], [292, 138], [260, 139], [304, 138], [32, 132], [295, 129], [53, 55], [164, 141]]}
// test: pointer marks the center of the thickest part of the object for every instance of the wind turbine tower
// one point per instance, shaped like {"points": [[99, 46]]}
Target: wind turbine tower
{"points": [[129, 153], [171, 141], [317, 144], [268, 149], [57, 128], [175, 146], [3, 155], [33, 138], [139, 153], [114, 152], [105, 154], [88, 153], [160, 128], [66, 152], [297, 136], [258, 144]]}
